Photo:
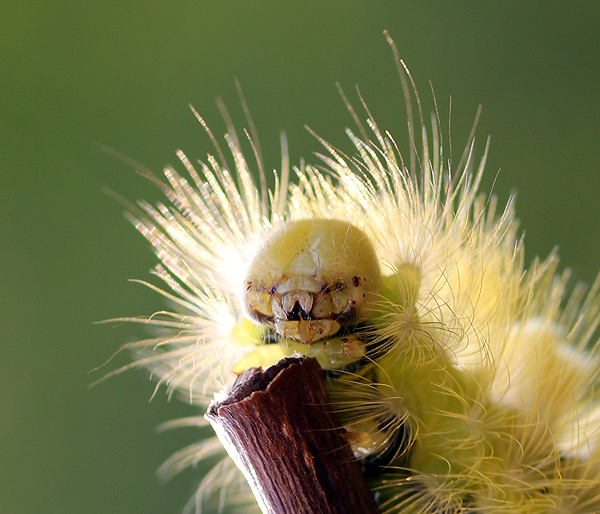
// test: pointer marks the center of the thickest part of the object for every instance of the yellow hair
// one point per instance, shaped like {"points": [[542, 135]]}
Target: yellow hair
{"points": [[471, 385]]}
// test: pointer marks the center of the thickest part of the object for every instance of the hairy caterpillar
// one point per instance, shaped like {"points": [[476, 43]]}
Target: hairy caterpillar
{"points": [[469, 382]]}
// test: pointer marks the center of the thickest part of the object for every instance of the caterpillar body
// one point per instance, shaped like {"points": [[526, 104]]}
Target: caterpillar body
{"points": [[468, 383]]}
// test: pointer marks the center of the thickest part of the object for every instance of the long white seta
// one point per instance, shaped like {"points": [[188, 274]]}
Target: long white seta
{"points": [[466, 382]]}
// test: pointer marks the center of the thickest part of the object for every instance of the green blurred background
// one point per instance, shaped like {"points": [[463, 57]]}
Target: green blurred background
{"points": [[76, 75]]}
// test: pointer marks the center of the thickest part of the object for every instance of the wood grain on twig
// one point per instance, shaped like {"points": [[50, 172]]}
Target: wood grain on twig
{"points": [[281, 430]]}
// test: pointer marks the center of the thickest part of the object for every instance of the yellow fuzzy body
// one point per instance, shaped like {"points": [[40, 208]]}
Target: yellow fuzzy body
{"points": [[475, 378]]}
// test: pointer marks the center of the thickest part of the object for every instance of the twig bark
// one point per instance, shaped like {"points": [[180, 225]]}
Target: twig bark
{"points": [[280, 428]]}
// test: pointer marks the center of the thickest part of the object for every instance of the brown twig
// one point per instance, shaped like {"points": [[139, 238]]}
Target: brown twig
{"points": [[279, 427]]}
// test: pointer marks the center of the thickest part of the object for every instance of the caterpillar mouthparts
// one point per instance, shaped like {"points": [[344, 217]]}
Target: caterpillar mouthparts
{"points": [[310, 278]]}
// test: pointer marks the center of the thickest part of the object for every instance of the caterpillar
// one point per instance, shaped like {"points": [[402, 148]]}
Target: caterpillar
{"points": [[469, 382]]}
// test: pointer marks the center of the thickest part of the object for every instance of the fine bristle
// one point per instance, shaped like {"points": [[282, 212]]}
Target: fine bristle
{"points": [[477, 387]]}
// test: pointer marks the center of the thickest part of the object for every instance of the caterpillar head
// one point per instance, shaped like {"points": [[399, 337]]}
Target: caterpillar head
{"points": [[310, 278]]}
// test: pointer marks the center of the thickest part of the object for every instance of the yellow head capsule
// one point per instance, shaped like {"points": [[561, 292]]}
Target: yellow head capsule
{"points": [[311, 277]]}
